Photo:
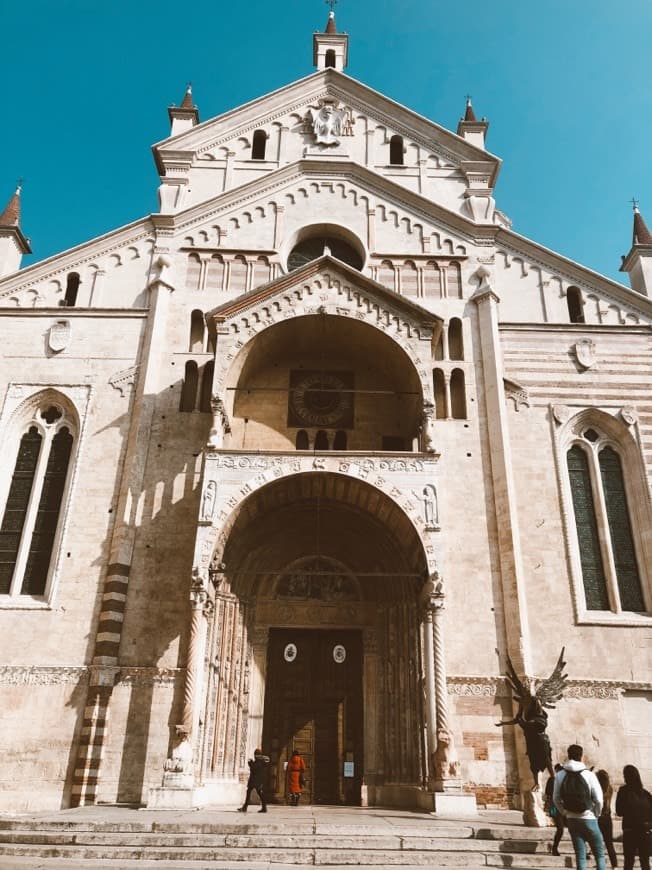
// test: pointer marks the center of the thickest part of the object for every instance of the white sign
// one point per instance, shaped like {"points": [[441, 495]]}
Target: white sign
{"points": [[349, 768], [339, 653], [290, 652]]}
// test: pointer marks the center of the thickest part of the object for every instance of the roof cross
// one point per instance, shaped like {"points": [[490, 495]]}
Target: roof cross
{"points": [[634, 203], [332, 4]]}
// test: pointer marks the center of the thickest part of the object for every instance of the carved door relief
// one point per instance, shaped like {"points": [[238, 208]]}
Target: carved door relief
{"points": [[313, 704]]}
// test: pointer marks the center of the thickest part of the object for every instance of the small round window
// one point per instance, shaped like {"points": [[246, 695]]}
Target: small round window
{"points": [[313, 248]]}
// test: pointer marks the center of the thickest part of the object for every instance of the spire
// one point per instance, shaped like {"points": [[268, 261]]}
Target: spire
{"points": [[10, 217], [13, 243], [469, 114], [185, 116], [638, 262], [641, 235], [331, 27], [470, 128]]}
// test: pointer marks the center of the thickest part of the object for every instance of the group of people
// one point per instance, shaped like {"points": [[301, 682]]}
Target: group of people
{"points": [[295, 773], [579, 799]]}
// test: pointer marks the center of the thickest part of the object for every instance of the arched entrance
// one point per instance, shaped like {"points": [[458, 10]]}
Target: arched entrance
{"points": [[316, 641]]}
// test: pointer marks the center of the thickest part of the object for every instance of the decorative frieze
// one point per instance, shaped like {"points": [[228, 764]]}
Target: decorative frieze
{"points": [[37, 675], [498, 687]]}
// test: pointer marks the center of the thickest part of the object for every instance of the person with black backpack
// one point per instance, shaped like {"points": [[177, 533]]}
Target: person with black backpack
{"points": [[634, 804], [577, 794]]}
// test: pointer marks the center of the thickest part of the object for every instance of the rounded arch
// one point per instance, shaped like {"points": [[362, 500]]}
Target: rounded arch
{"points": [[325, 232], [345, 507]]}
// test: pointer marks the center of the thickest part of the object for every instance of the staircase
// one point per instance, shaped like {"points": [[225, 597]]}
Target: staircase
{"points": [[305, 837]]}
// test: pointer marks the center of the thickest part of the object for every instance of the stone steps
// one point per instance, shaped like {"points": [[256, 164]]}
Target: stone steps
{"points": [[68, 844]]}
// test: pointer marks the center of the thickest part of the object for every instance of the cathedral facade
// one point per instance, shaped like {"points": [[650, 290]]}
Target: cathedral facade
{"points": [[303, 459]]}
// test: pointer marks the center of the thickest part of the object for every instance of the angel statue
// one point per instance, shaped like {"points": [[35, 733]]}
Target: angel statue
{"points": [[532, 717]]}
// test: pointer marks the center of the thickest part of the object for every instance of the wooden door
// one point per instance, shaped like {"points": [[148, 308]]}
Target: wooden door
{"points": [[313, 704]]}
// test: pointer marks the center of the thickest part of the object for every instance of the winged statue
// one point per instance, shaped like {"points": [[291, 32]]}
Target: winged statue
{"points": [[532, 717]]}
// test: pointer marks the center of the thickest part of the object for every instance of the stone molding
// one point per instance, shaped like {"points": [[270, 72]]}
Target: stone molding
{"points": [[498, 687], [40, 675]]}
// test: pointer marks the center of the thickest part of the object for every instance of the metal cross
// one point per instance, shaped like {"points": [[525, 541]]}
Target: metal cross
{"points": [[634, 202], [468, 98], [332, 4]]}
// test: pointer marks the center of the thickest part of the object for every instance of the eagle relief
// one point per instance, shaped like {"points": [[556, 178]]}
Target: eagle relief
{"points": [[330, 122]]}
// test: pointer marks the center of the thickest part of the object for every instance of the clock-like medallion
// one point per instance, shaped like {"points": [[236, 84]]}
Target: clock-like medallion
{"points": [[321, 399]]}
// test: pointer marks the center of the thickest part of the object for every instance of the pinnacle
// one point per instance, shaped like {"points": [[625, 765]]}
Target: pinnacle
{"points": [[10, 217], [331, 26], [469, 114], [641, 234], [187, 102]]}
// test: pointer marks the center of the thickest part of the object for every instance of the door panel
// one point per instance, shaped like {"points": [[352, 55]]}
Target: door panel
{"points": [[313, 704]]}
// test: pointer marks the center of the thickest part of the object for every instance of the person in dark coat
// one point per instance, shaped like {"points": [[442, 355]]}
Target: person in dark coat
{"points": [[634, 804], [256, 781], [605, 822]]}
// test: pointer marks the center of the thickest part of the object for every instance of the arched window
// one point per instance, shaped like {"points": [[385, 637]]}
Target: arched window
{"points": [[458, 395], [72, 288], [193, 272], [439, 385], [455, 340], [196, 343], [238, 279], [409, 279], [439, 347], [454, 281], [189, 387], [575, 305], [396, 151], [206, 388], [301, 441], [610, 573], [259, 145], [33, 508], [321, 440], [340, 440], [330, 58], [215, 273]]}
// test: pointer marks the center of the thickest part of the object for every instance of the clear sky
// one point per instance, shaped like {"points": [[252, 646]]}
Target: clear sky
{"points": [[565, 85]]}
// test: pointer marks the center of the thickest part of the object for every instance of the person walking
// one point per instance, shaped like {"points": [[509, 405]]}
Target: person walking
{"points": [[634, 804], [577, 794], [295, 771], [605, 821], [256, 781], [553, 812]]}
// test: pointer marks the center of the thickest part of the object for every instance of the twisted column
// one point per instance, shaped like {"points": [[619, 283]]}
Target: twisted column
{"points": [[430, 702], [200, 605]]}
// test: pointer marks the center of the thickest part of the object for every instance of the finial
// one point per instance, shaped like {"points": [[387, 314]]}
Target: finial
{"points": [[468, 99], [19, 185], [187, 103], [634, 203], [469, 114]]}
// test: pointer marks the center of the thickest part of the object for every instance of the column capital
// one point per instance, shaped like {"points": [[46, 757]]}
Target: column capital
{"points": [[432, 596]]}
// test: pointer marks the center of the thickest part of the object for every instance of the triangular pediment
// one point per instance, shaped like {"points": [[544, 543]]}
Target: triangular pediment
{"points": [[294, 99]]}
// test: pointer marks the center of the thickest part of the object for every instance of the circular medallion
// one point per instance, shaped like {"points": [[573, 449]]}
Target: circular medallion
{"points": [[290, 652], [339, 653], [320, 399]]}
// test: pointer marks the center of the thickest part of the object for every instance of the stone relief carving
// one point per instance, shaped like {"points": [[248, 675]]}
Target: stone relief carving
{"points": [[629, 414], [329, 123], [447, 765], [585, 354], [221, 424], [208, 501], [430, 507], [316, 580], [517, 393], [561, 413], [59, 336], [120, 381]]}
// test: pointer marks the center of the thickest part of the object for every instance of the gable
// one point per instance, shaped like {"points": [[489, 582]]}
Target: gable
{"points": [[218, 155]]}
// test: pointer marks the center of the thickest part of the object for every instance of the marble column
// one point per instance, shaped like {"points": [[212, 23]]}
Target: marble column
{"points": [[430, 702]]}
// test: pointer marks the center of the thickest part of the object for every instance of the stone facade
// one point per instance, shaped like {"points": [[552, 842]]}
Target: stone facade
{"points": [[325, 266]]}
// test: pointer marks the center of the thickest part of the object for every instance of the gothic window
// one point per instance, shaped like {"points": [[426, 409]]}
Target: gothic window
{"points": [[215, 273], [330, 58], [206, 388], [575, 305], [455, 341], [301, 441], [189, 387], [409, 279], [458, 395], [259, 145], [32, 512], [454, 281], [193, 272], [607, 555], [439, 385], [340, 440], [396, 151], [196, 343], [238, 280], [72, 288]]}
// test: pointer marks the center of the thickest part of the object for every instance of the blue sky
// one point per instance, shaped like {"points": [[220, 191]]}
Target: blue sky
{"points": [[564, 84]]}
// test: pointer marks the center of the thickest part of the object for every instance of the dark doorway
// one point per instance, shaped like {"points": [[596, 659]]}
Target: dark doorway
{"points": [[313, 703]]}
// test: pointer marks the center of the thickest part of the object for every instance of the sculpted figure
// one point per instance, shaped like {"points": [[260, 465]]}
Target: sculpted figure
{"points": [[447, 765], [180, 761], [532, 717], [327, 123]]}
